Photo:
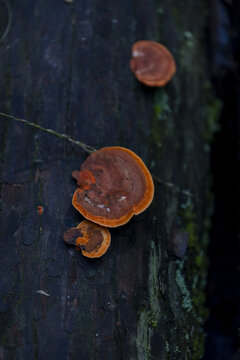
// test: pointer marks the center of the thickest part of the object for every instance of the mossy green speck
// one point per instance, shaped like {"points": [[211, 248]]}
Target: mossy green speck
{"points": [[150, 315]]}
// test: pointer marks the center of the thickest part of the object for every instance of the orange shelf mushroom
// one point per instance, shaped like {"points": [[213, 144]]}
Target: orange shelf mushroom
{"points": [[92, 239], [114, 184], [152, 63], [40, 210]]}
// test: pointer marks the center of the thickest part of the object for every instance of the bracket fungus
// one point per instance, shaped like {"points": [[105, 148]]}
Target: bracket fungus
{"points": [[152, 63], [114, 184], [84, 178], [92, 239]]}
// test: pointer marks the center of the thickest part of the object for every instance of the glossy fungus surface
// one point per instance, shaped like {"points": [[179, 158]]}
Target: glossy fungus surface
{"points": [[123, 187], [152, 63], [92, 239]]}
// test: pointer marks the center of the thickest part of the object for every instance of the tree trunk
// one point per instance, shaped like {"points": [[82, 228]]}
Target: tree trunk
{"points": [[66, 67]]}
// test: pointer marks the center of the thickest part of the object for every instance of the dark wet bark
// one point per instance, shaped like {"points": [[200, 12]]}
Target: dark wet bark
{"points": [[223, 293], [66, 67]]}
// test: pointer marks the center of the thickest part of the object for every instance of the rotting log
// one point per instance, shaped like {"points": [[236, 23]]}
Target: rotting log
{"points": [[66, 67]]}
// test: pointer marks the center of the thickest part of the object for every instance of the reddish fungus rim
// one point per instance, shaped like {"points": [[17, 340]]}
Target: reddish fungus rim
{"points": [[154, 82], [105, 243], [137, 209], [85, 239]]}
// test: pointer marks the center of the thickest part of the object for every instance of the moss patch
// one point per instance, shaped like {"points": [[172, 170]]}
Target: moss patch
{"points": [[195, 269], [149, 316]]}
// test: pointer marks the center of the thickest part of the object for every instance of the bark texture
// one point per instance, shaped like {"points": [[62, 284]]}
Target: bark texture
{"points": [[66, 67]]}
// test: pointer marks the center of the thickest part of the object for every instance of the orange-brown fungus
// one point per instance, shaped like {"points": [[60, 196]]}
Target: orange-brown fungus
{"points": [[40, 210], [92, 239], [123, 187], [84, 178], [152, 63]]}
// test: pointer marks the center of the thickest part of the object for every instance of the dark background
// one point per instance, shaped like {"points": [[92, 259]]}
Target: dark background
{"points": [[223, 287]]}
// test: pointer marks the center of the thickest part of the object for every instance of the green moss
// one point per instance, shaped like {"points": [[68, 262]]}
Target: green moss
{"points": [[199, 260], [214, 108], [161, 106], [186, 49], [198, 345], [149, 316], [161, 111], [162, 120], [212, 115], [167, 346], [189, 39], [143, 339], [189, 216], [195, 270], [186, 302], [154, 323]]}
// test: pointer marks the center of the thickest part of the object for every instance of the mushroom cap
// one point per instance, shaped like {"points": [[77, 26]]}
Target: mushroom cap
{"points": [[152, 63], [92, 239], [123, 187]]}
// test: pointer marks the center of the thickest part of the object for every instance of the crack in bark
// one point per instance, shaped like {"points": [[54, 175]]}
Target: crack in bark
{"points": [[85, 147], [18, 185]]}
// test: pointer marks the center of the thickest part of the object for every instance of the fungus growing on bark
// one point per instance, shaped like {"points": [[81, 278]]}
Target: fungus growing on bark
{"points": [[92, 239], [122, 187], [84, 178], [152, 63], [40, 210]]}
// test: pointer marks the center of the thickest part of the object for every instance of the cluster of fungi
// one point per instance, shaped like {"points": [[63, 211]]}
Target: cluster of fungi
{"points": [[113, 183]]}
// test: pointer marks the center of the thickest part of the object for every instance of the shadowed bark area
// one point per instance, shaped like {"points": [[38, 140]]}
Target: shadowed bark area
{"points": [[66, 67]]}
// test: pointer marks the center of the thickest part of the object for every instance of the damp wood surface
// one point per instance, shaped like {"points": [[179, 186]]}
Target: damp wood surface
{"points": [[65, 66]]}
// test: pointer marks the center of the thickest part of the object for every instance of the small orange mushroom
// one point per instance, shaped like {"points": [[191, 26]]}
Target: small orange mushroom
{"points": [[84, 178], [40, 210], [122, 187], [152, 63], [92, 239]]}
